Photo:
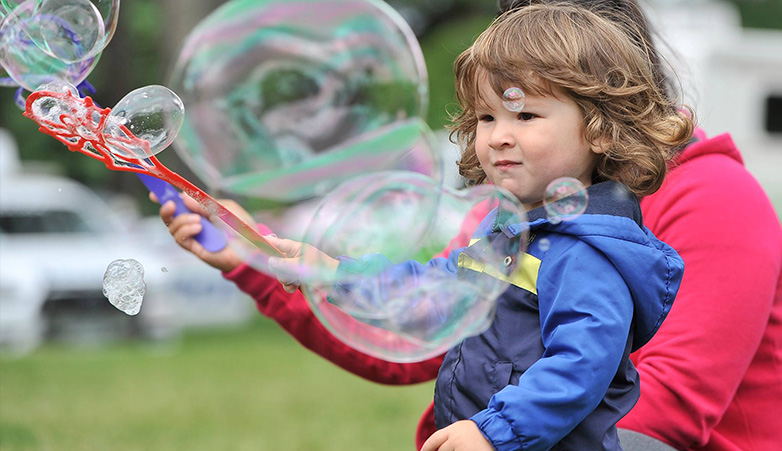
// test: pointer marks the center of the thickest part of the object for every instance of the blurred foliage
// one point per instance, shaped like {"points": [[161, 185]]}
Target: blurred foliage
{"points": [[760, 13], [136, 58]]}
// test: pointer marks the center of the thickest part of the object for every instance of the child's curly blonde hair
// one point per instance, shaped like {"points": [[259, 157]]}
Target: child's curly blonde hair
{"points": [[601, 64]]}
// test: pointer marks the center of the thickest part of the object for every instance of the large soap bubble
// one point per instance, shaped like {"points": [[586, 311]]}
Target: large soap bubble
{"points": [[286, 99], [377, 303], [28, 58], [73, 30]]}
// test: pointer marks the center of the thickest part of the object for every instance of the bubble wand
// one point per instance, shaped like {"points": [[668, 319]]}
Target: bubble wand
{"points": [[79, 124]]}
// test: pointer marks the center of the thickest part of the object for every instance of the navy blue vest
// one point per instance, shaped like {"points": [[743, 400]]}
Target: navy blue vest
{"points": [[482, 365]]}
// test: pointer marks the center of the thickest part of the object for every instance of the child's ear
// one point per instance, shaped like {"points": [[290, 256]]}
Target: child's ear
{"points": [[600, 145]]}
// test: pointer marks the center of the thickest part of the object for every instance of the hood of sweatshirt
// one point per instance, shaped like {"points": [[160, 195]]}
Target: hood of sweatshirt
{"points": [[613, 225]]}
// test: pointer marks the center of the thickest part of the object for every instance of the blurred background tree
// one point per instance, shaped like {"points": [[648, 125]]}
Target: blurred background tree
{"points": [[150, 33]]}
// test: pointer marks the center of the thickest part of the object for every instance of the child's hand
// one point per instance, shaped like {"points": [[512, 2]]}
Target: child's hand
{"points": [[298, 257], [185, 226], [460, 436]]}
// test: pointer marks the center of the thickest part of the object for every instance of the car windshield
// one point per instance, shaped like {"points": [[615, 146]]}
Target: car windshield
{"points": [[53, 221]]}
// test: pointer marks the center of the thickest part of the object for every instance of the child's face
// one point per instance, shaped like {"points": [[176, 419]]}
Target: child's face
{"points": [[525, 151]]}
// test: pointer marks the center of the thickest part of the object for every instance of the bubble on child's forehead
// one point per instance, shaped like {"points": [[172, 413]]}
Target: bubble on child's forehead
{"points": [[566, 198], [513, 99]]}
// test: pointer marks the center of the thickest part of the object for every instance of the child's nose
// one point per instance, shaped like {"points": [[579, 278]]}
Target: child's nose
{"points": [[501, 137]]}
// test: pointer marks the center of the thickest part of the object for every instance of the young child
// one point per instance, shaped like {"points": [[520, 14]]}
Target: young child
{"points": [[553, 369]]}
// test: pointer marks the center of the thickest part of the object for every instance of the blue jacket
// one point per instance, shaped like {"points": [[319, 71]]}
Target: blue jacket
{"points": [[552, 371]]}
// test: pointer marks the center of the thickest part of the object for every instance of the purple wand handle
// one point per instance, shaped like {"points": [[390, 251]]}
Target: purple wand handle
{"points": [[210, 237]]}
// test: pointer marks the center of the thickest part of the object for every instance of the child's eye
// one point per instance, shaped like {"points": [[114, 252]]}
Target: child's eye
{"points": [[527, 116], [485, 118]]}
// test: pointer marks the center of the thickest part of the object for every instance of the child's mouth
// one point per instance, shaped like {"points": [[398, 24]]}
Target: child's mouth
{"points": [[505, 165]]}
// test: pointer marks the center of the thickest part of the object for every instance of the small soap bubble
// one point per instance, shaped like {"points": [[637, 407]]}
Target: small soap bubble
{"points": [[566, 198], [513, 99], [153, 113], [544, 244], [123, 285]]}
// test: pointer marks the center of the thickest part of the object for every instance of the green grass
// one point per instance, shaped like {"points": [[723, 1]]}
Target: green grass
{"points": [[249, 389]]}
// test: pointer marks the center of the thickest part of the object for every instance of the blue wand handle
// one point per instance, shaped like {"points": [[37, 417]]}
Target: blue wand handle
{"points": [[210, 237]]}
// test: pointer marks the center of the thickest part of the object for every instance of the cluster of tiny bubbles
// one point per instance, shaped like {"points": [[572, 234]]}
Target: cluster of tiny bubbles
{"points": [[123, 285], [152, 113], [513, 99], [43, 40], [285, 102], [391, 298], [50, 109], [566, 199]]}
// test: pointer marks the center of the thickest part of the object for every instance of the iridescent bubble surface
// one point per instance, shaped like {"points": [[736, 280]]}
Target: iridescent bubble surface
{"points": [[68, 30], [153, 113], [72, 30], [407, 316], [6, 6], [513, 99], [566, 198], [28, 63], [288, 98]]}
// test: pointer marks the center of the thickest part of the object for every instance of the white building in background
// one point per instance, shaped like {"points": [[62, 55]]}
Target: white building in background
{"points": [[731, 75]]}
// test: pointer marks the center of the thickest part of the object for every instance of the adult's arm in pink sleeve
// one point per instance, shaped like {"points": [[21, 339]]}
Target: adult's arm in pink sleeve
{"points": [[292, 312]]}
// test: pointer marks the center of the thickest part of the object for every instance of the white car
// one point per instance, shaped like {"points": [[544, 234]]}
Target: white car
{"points": [[57, 238]]}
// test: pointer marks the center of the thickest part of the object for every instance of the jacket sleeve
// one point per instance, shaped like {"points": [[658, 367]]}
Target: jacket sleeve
{"points": [[584, 333], [717, 217]]}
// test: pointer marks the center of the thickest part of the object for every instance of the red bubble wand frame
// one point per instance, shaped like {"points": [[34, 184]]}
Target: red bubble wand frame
{"points": [[78, 123]]}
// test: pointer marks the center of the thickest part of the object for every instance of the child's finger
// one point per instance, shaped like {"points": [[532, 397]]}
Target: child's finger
{"points": [[167, 212], [434, 442], [288, 247], [286, 271], [192, 205], [185, 232], [184, 226], [284, 268], [153, 197], [290, 287]]}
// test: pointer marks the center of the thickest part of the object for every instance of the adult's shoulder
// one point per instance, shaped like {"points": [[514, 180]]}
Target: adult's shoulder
{"points": [[709, 175], [709, 189]]}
